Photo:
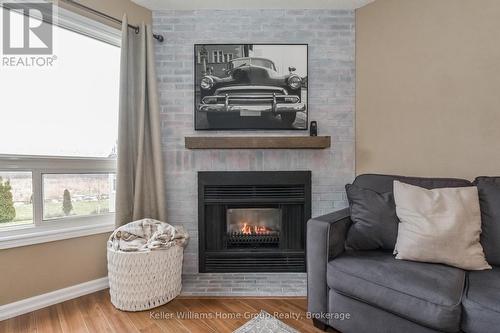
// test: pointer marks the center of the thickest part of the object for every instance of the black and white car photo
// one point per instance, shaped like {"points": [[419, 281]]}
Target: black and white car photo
{"points": [[250, 86]]}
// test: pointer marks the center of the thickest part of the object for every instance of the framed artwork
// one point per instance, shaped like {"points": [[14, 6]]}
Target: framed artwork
{"points": [[251, 86]]}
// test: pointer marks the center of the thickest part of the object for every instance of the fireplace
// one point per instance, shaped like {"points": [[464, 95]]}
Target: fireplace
{"points": [[253, 227], [253, 221]]}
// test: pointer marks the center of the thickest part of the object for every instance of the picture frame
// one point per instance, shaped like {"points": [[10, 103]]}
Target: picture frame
{"points": [[259, 86]]}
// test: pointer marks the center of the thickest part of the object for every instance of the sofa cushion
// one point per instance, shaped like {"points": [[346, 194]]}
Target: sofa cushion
{"points": [[428, 294], [489, 200], [374, 225], [442, 225], [384, 183], [365, 318], [374, 220], [481, 303]]}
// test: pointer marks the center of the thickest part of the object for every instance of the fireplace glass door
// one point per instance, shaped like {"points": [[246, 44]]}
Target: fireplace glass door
{"points": [[253, 227]]}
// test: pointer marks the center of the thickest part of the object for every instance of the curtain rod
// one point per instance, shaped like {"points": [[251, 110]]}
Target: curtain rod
{"points": [[158, 37]]}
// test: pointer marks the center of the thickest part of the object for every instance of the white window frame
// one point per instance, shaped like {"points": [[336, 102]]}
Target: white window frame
{"points": [[58, 228], [80, 24], [41, 231]]}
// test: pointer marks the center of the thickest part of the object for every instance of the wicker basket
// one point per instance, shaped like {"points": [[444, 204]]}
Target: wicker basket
{"points": [[144, 280]]}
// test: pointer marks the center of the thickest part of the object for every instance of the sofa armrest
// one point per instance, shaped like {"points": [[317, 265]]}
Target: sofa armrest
{"points": [[325, 240]]}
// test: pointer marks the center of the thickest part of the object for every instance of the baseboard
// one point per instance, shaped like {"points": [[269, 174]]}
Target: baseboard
{"points": [[57, 296]]}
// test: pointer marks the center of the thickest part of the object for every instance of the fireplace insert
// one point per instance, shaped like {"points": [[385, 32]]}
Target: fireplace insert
{"points": [[253, 221], [253, 227]]}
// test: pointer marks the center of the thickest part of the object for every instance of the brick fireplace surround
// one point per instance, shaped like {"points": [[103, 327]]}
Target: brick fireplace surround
{"points": [[331, 38]]}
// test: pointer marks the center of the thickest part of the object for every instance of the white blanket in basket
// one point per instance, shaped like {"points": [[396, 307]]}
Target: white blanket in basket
{"points": [[147, 235]]}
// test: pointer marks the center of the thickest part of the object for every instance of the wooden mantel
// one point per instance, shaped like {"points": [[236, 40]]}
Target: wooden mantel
{"points": [[257, 142]]}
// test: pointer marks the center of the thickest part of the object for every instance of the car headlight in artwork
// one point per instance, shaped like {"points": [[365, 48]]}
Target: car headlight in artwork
{"points": [[206, 82], [294, 81]]}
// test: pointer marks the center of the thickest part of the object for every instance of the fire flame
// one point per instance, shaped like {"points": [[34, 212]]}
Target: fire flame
{"points": [[248, 229]]}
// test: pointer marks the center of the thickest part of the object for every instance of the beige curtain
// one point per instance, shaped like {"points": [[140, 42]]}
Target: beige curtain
{"points": [[140, 183]]}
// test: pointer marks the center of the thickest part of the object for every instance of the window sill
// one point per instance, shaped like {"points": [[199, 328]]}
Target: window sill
{"points": [[55, 230]]}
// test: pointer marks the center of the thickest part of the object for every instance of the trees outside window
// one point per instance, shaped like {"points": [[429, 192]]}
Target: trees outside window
{"points": [[67, 204], [7, 210]]}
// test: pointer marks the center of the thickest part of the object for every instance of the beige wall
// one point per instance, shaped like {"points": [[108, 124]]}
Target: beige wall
{"points": [[428, 80], [36, 269], [32, 270]]}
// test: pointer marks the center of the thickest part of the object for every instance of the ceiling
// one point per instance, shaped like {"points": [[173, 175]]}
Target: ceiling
{"points": [[251, 4]]}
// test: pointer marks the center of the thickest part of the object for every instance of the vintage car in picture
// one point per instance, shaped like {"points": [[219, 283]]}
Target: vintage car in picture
{"points": [[251, 88]]}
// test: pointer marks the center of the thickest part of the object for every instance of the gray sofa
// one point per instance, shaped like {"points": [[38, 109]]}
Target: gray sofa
{"points": [[370, 291]]}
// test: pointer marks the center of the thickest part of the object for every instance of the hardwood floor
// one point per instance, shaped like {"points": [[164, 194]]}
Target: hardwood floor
{"points": [[95, 313]]}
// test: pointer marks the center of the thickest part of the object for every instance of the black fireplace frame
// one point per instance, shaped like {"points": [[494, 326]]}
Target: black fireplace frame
{"points": [[254, 259]]}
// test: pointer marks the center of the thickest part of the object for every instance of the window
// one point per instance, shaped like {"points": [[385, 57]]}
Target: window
{"points": [[16, 198], [218, 57], [58, 138], [66, 195], [228, 57], [254, 61], [71, 109]]}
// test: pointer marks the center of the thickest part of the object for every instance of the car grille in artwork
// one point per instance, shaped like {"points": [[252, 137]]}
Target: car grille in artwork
{"points": [[249, 96], [251, 90]]}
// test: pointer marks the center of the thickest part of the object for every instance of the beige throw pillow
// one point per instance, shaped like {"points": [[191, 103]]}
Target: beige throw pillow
{"points": [[440, 226]]}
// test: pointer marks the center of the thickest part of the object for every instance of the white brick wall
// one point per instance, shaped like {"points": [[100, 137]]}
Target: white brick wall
{"points": [[330, 35]]}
